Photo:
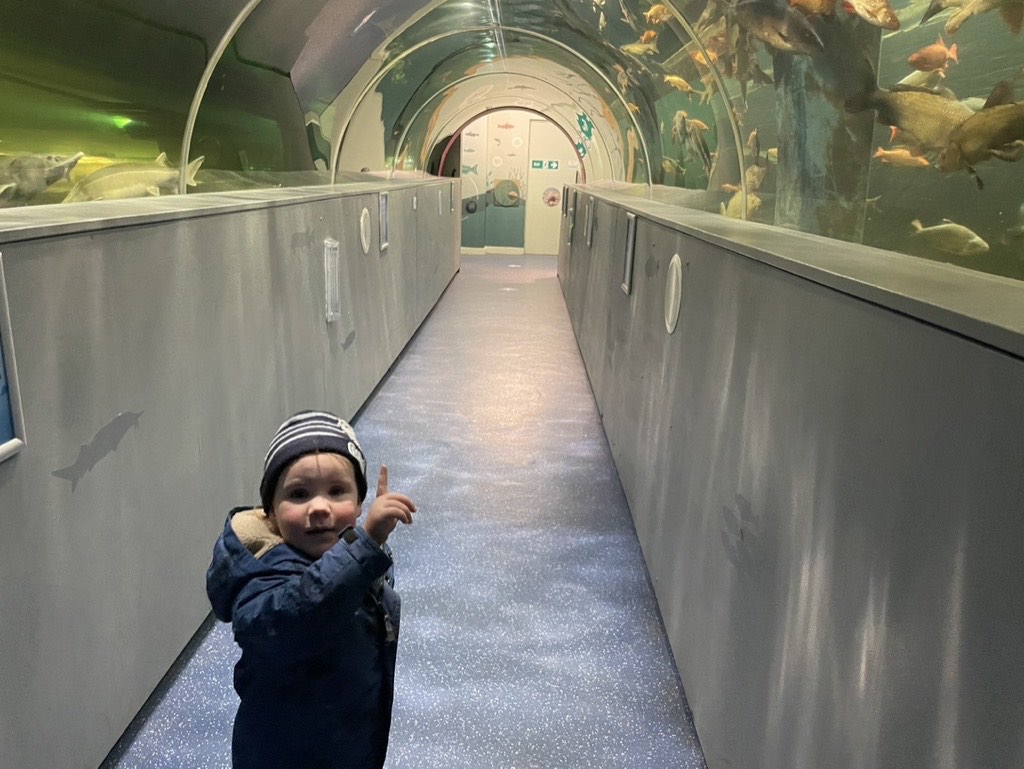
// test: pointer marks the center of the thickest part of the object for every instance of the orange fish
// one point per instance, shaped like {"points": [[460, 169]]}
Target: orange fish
{"points": [[632, 107], [648, 36], [901, 156], [657, 14], [932, 57], [876, 12], [699, 58], [679, 84]]}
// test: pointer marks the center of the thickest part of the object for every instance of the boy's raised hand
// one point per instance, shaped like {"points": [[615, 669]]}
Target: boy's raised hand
{"points": [[387, 510]]}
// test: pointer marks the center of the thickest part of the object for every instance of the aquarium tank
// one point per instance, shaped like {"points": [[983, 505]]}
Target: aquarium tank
{"points": [[892, 123]]}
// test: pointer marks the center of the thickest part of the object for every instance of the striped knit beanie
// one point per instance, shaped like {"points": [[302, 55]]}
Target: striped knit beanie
{"points": [[309, 432]]}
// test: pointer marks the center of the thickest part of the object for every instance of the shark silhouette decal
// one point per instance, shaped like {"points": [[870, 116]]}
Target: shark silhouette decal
{"points": [[104, 442]]}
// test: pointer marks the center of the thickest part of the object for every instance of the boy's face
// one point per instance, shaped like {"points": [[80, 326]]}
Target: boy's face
{"points": [[315, 500]]}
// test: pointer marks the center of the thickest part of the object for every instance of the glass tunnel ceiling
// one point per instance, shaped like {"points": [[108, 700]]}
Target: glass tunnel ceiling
{"points": [[702, 104], [437, 65]]}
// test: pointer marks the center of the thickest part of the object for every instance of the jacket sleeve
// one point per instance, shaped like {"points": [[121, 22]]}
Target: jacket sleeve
{"points": [[299, 609]]}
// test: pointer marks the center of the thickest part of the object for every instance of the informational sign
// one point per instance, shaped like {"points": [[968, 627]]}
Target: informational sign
{"points": [[552, 165], [540, 165], [536, 164]]}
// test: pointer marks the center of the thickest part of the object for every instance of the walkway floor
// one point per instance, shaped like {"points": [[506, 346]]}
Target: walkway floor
{"points": [[530, 634]]}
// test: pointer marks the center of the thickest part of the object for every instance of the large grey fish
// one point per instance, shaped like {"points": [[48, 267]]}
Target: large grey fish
{"points": [[778, 25], [132, 180], [24, 176], [993, 132], [927, 117]]}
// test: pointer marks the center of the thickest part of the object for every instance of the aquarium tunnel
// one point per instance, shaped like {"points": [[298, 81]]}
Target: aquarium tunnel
{"points": [[695, 328]]}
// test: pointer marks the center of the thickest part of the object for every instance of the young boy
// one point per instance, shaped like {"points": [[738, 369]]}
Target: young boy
{"points": [[311, 600]]}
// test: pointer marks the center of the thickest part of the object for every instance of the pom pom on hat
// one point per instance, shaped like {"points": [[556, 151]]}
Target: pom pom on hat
{"points": [[310, 432]]}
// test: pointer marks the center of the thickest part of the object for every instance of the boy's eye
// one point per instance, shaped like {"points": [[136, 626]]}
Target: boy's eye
{"points": [[297, 494], [337, 491]]}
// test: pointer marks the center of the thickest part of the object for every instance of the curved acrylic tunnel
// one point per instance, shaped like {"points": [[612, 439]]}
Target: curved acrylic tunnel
{"points": [[255, 133]]}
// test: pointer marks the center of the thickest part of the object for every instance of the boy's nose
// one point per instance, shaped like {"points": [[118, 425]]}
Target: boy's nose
{"points": [[319, 505]]}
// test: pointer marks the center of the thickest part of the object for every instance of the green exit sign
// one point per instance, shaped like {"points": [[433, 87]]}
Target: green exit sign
{"points": [[537, 164], [552, 165]]}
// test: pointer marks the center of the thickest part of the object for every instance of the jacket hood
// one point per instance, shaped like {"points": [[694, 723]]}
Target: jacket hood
{"points": [[246, 538]]}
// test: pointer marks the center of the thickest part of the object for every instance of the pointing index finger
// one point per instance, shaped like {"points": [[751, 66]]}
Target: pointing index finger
{"points": [[382, 481]]}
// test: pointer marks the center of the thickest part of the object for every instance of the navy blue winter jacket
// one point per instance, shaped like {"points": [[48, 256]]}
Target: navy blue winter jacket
{"points": [[318, 640]]}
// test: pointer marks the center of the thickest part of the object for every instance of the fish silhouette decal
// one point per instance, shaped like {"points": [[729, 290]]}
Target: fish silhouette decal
{"points": [[104, 442]]}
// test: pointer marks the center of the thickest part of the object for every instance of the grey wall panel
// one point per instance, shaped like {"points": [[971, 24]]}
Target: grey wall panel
{"points": [[438, 237], [155, 360], [830, 498]]}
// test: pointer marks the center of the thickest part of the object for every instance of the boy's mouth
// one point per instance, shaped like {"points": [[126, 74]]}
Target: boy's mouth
{"points": [[320, 530]]}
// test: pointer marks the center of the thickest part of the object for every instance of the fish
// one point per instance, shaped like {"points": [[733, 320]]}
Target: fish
{"points": [[934, 56], [679, 127], [926, 117], [22, 177], [1003, 91], [671, 166], [754, 177], [470, 169], [923, 78], [632, 107], [132, 180], [1012, 12], [104, 442], [349, 339], [938, 6], [698, 125], [778, 26], [679, 84], [950, 237], [621, 76], [648, 36], [639, 49], [699, 58], [698, 147], [602, 22], [734, 209], [754, 144], [996, 132], [876, 12], [657, 14], [627, 15], [901, 156], [772, 154]]}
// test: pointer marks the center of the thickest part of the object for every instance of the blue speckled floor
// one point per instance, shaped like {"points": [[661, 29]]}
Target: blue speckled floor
{"points": [[530, 635]]}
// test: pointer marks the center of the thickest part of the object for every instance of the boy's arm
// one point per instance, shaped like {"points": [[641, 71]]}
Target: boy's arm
{"points": [[298, 607]]}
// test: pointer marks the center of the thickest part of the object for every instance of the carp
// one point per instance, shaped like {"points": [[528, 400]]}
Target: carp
{"points": [[994, 132]]}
